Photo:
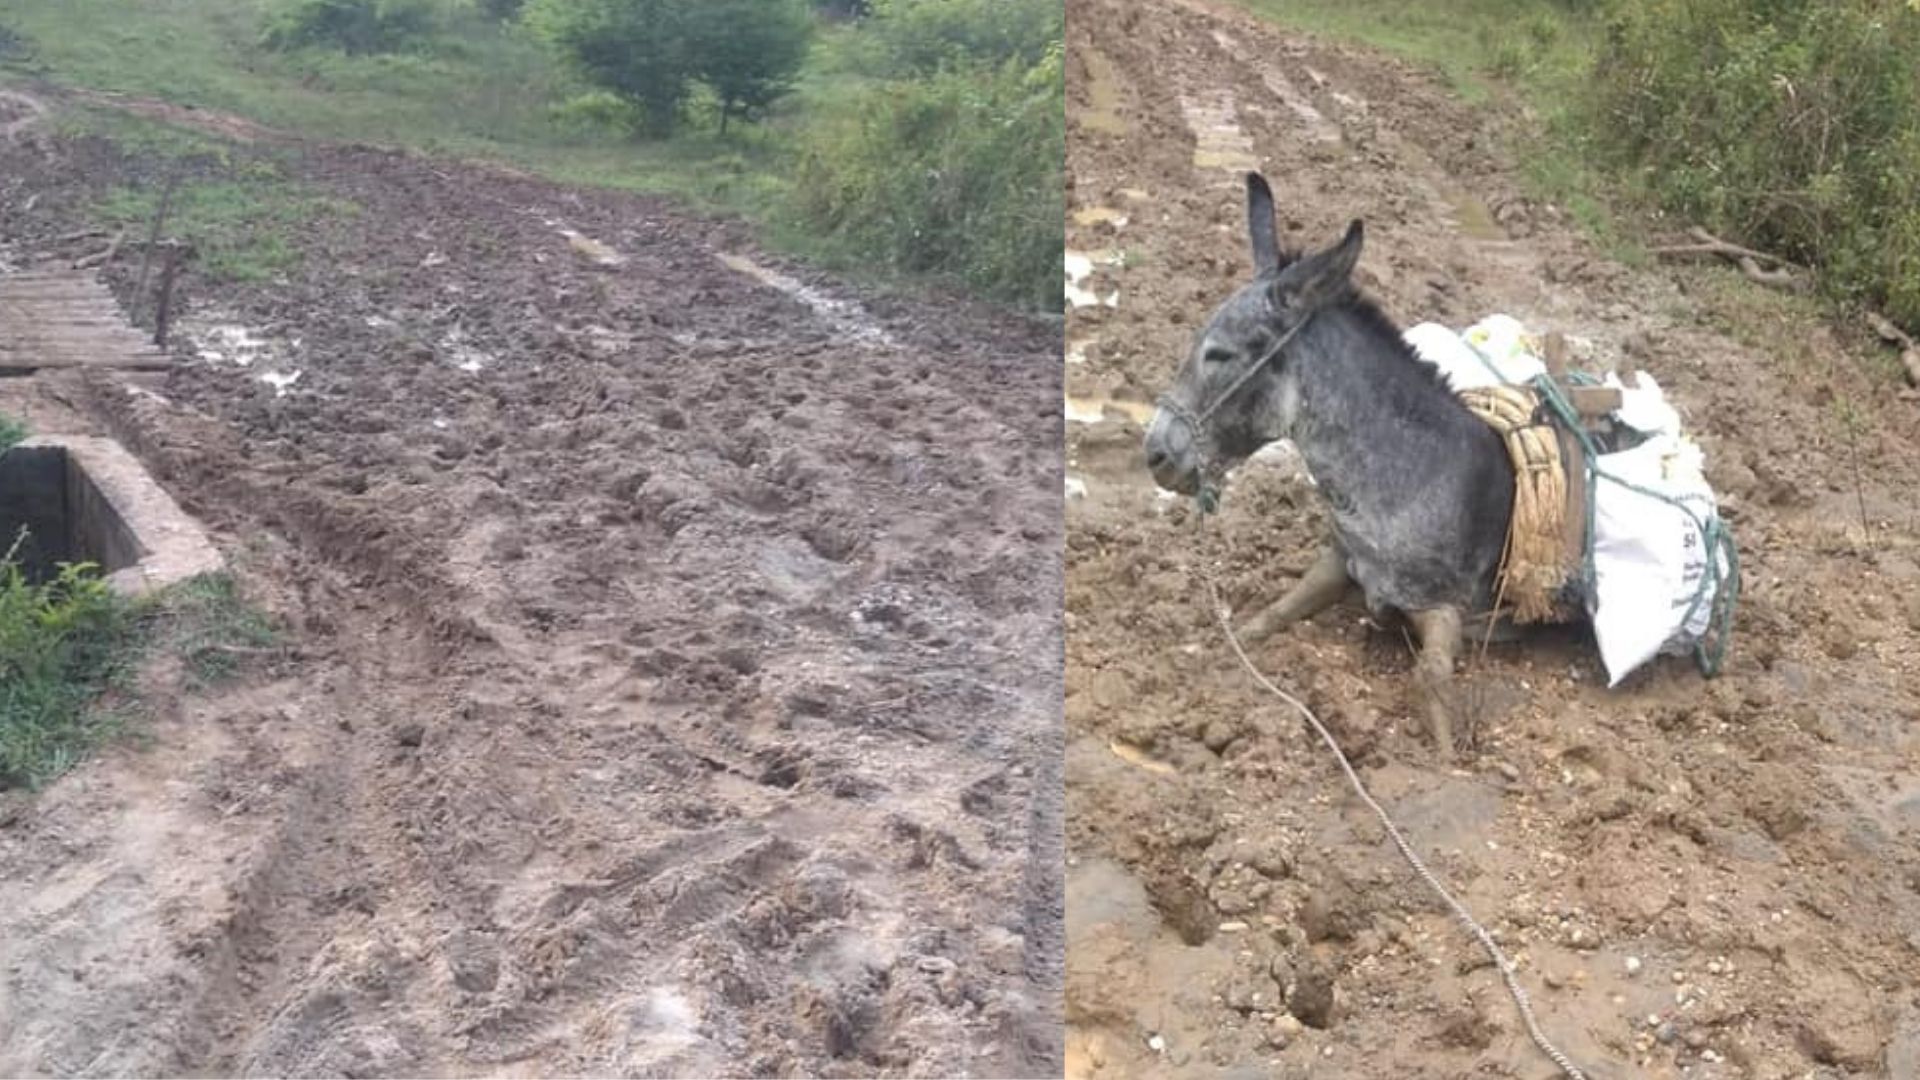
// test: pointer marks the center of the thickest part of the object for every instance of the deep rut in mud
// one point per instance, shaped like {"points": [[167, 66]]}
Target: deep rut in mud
{"points": [[677, 675], [1715, 879]]}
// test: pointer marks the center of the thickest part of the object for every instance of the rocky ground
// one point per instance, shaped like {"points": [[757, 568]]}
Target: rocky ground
{"points": [[1698, 878]]}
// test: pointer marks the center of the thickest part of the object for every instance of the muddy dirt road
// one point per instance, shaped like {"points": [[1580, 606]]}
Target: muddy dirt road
{"points": [[1703, 879], [677, 661]]}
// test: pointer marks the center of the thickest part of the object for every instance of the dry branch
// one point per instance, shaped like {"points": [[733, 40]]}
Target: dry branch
{"points": [[1783, 275], [1886, 331], [103, 257], [1779, 278]]}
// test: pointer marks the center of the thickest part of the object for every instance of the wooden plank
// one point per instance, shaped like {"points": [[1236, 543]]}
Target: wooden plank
{"points": [[128, 361], [64, 318], [124, 343], [69, 319], [1593, 400], [145, 357], [24, 284]]}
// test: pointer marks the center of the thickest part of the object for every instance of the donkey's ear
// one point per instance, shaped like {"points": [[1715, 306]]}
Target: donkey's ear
{"points": [[1320, 278], [1260, 228]]}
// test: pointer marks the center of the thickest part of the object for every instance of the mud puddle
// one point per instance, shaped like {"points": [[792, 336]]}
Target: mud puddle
{"points": [[845, 316]]}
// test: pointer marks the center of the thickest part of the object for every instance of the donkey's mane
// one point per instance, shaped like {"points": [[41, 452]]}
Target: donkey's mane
{"points": [[1374, 320]]}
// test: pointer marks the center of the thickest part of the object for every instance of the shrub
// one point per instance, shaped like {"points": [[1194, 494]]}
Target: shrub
{"points": [[356, 27], [61, 642], [11, 431], [654, 52], [748, 51], [596, 111], [924, 36], [957, 175], [1793, 125]]}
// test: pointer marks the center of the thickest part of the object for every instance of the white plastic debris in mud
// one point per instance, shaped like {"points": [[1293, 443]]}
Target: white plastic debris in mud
{"points": [[1079, 267], [1076, 488], [218, 339], [464, 356], [844, 316], [228, 343], [281, 381], [1649, 550]]}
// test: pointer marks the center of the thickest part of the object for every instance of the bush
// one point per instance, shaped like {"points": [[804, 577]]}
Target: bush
{"points": [[748, 51], [356, 27], [596, 112], [925, 36], [957, 175], [502, 10], [61, 643], [1792, 125], [654, 52], [11, 431]]}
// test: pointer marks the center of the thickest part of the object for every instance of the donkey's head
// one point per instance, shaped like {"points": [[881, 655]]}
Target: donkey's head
{"points": [[1236, 392]]}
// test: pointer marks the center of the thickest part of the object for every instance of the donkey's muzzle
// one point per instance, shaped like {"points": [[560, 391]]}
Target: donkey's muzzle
{"points": [[1172, 456]]}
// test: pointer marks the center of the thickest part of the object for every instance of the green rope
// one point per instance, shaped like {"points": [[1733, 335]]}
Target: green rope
{"points": [[1713, 531]]}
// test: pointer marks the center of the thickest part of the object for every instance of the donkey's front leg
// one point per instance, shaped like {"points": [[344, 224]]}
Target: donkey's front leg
{"points": [[1322, 586], [1439, 632]]}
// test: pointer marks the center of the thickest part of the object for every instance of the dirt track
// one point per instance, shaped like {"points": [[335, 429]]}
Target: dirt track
{"points": [[677, 686], [1748, 842]]}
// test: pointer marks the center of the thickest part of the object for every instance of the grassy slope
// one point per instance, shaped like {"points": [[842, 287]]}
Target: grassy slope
{"points": [[1494, 51], [1532, 58], [476, 91]]}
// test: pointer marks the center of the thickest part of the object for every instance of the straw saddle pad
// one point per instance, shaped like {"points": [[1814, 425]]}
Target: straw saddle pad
{"points": [[1546, 537]]}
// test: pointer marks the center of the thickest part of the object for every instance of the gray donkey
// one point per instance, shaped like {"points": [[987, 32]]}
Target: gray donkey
{"points": [[1420, 489]]}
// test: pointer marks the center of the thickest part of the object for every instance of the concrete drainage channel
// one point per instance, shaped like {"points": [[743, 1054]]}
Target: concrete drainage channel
{"points": [[83, 499]]}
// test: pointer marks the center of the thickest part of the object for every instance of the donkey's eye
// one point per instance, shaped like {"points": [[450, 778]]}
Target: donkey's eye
{"points": [[1217, 356]]}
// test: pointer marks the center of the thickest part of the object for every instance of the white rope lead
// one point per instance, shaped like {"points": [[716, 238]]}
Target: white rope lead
{"points": [[1460, 912]]}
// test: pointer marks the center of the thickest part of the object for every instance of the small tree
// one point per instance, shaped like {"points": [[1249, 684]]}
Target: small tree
{"points": [[651, 52], [356, 27], [634, 48], [503, 10], [843, 9], [748, 51]]}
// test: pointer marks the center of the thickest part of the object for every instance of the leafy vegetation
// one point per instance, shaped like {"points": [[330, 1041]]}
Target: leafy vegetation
{"points": [[357, 27], [957, 174], [69, 645], [62, 642], [657, 53], [11, 431], [1792, 126], [892, 81], [242, 228], [922, 37]]}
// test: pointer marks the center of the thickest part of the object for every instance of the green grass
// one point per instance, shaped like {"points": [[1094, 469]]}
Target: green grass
{"points": [[63, 643], [474, 90], [210, 627], [11, 431], [477, 90], [1534, 61], [70, 647], [242, 228], [1476, 44], [1494, 53]]}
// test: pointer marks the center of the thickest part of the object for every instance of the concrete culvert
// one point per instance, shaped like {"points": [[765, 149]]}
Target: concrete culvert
{"points": [[81, 499]]}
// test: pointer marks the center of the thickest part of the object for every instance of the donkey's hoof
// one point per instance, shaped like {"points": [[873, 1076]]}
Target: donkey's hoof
{"points": [[1258, 629]]}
